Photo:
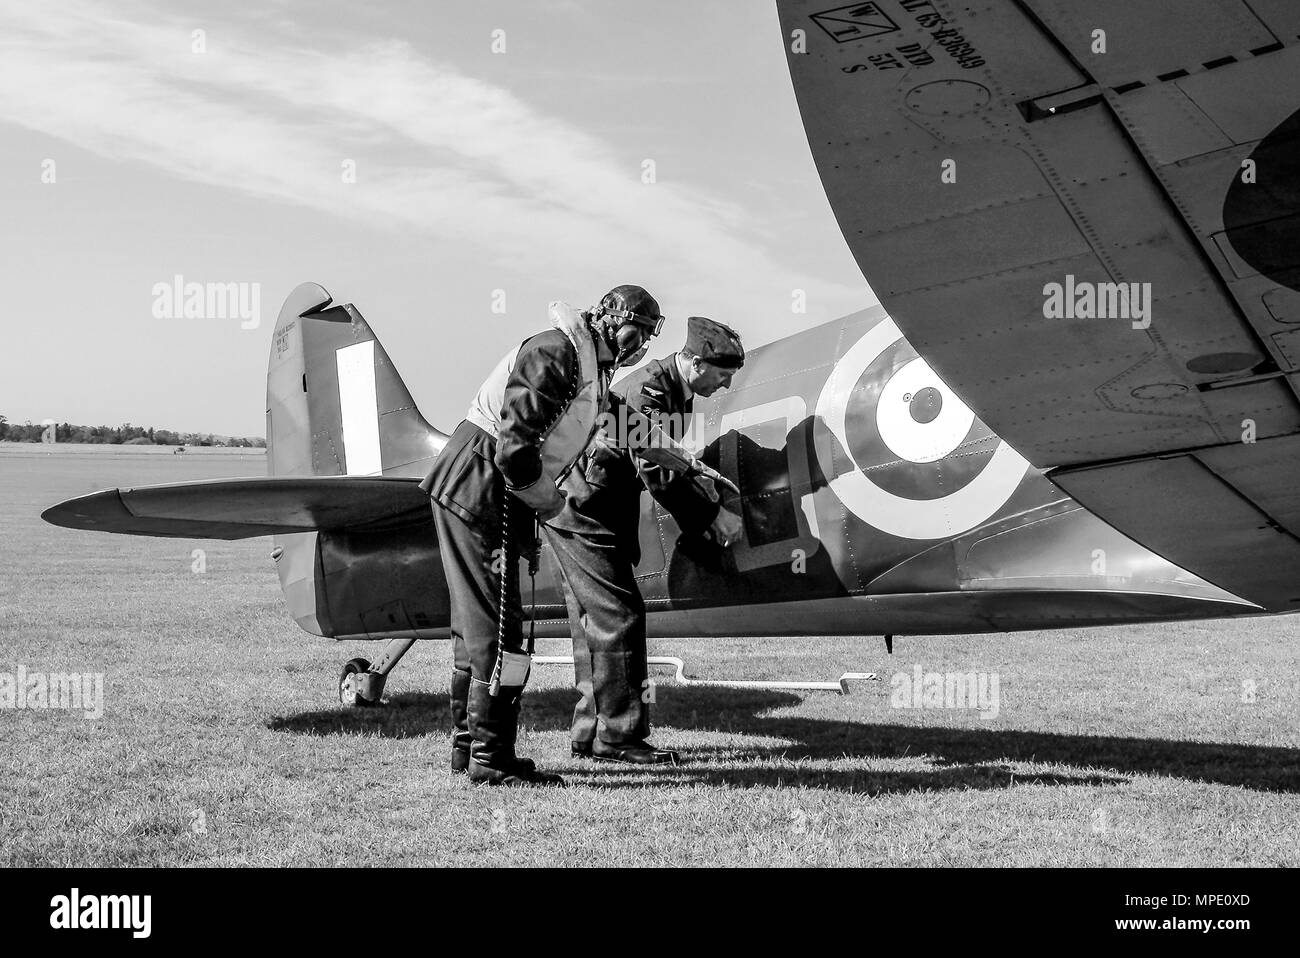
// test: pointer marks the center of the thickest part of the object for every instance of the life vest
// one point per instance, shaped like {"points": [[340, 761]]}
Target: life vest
{"points": [[565, 439]]}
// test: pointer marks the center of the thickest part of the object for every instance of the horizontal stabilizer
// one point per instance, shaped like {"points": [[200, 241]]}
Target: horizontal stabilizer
{"points": [[244, 508]]}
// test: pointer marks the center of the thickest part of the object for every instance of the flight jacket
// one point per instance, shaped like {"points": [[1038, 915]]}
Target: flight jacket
{"points": [[532, 418]]}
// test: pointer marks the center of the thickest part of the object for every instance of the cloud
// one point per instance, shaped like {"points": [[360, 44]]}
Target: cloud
{"points": [[436, 151]]}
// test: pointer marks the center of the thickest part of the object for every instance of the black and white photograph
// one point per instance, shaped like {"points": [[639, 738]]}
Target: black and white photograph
{"points": [[732, 434]]}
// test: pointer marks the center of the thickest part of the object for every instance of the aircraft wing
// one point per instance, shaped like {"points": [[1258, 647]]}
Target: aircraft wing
{"points": [[995, 165], [243, 508]]}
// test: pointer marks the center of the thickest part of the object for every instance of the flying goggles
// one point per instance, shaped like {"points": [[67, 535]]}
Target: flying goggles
{"points": [[654, 324]]}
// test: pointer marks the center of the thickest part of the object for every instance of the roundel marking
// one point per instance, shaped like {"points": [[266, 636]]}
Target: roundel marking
{"points": [[926, 404], [1262, 219], [921, 420], [925, 439]]}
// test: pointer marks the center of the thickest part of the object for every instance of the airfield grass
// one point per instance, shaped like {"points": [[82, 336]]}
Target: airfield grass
{"points": [[222, 742]]}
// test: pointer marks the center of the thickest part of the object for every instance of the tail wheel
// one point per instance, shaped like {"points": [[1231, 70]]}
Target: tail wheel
{"points": [[348, 694]]}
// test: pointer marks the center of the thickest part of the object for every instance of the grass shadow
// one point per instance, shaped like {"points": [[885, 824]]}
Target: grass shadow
{"points": [[854, 781], [962, 756], [407, 715]]}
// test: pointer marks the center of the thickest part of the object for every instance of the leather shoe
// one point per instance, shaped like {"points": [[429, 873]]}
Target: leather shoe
{"points": [[634, 753], [580, 749]]}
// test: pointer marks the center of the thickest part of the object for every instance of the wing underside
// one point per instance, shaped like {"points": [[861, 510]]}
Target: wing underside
{"points": [[1086, 216]]}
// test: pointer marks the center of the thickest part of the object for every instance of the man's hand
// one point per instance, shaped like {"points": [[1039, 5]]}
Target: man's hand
{"points": [[727, 528]]}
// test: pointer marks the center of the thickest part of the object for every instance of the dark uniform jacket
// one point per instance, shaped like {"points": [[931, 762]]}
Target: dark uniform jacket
{"points": [[466, 478], [604, 489]]}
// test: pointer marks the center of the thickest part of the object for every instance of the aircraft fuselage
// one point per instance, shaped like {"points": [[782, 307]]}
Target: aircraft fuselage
{"points": [[874, 502]]}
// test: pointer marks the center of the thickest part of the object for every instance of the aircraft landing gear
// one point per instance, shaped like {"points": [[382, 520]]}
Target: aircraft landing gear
{"points": [[355, 675], [361, 684]]}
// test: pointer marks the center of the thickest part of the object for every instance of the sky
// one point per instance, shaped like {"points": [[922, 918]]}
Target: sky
{"points": [[426, 161]]}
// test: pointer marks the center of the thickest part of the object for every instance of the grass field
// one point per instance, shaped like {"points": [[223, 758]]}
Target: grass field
{"points": [[222, 743]]}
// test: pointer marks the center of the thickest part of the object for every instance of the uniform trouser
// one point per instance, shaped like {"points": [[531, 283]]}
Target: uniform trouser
{"points": [[607, 620], [469, 553]]}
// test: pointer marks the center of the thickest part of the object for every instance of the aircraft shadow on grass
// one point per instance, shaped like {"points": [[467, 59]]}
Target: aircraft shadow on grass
{"points": [[963, 757]]}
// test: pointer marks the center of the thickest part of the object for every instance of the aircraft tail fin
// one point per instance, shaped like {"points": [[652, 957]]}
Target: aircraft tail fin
{"points": [[335, 404]]}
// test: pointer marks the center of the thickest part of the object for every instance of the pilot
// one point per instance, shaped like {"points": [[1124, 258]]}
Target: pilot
{"points": [[595, 541], [533, 417]]}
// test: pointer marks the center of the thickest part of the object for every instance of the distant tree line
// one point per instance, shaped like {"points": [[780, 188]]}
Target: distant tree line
{"points": [[125, 434]]}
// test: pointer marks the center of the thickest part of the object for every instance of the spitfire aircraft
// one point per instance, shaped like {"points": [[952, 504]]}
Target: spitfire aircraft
{"points": [[974, 157]]}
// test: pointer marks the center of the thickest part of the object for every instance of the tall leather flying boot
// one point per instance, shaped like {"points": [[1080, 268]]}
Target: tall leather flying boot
{"points": [[460, 737], [494, 725]]}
